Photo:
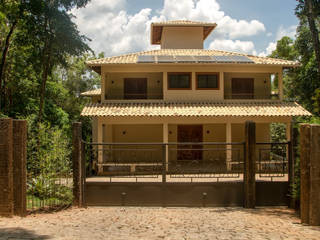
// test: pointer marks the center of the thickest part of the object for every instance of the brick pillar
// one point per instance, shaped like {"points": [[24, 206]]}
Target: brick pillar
{"points": [[305, 148], [249, 165], [314, 208], [6, 179], [19, 166], [77, 164]]}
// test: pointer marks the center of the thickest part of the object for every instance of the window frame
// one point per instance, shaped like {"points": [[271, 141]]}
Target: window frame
{"points": [[208, 73], [179, 73]]}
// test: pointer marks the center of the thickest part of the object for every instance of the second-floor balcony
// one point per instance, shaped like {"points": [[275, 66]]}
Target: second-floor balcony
{"points": [[191, 86], [134, 86], [133, 96]]}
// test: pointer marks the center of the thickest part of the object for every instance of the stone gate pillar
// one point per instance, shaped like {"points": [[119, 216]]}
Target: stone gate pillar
{"points": [[6, 174], [19, 167], [249, 165], [310, 174], [77, 164]]}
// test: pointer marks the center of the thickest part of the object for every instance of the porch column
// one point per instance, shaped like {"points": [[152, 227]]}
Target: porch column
{"points": [[228, 147], [288, 138], [165, 140], [100, 147], [280, 85], [290, 160]]}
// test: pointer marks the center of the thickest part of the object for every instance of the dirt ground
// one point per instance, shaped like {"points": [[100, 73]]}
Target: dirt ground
{"points": [[159, 223]]}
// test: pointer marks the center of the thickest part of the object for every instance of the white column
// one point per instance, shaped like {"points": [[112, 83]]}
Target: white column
{"points": [[221, 84], [165, 85], [104, 77], [228, 147], [280, 84], [100, 147], [288, 135], [166, 140]]}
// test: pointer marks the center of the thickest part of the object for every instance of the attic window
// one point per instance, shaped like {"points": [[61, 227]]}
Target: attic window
{"points": [[179, 81]]}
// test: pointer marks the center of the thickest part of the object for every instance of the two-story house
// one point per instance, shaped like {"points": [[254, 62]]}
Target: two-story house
{"points": [[184, 93]]}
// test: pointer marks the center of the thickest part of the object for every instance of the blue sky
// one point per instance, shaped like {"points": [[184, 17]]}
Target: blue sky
{"points": [[248, 26]]}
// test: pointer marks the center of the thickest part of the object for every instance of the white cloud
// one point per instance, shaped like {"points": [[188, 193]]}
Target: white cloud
{"points": [[271, 47], [114, 31], [234, 46], [290, 32], [209, 10], [237, 29]]}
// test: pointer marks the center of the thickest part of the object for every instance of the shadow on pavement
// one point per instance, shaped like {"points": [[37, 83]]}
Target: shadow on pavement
{"points": [[20, 233]]}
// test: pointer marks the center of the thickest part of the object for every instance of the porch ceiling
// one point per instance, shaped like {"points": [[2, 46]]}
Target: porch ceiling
{"points": [[170, 109]]}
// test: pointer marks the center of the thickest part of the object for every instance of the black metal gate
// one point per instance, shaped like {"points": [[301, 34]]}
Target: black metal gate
{"points": [[151, 174]]}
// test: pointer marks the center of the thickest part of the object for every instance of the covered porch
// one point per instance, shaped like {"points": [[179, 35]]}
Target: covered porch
{"points": [[190, 138]]}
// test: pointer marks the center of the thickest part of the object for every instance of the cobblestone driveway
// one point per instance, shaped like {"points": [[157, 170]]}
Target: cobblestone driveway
{"points": [[159, 223]]}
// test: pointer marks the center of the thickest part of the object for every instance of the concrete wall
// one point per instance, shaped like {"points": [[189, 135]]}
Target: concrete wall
{"points": [[262, 83], [114, 86], [182, 38]]}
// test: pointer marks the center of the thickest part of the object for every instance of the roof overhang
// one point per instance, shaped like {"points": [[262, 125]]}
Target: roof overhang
{"points": [[210, 109]]}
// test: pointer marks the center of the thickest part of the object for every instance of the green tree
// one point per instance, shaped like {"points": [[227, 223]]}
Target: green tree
{"points": [[310, 10]]}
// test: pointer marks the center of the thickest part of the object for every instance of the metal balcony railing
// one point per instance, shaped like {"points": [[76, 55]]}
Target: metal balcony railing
{"points": [[133, 96]]}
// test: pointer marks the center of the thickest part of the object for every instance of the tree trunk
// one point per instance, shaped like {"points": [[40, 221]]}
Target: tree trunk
{"points": [[45, 72], [3, 58], [314, 31]]}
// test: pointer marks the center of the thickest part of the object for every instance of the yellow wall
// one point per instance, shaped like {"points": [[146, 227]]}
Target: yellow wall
{"points": [[158, 72], [137, 133], [182, 38], [134, 134], [262, 135], [114, 86], [262, 83]]}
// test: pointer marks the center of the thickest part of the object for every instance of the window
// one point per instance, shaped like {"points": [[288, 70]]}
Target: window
{"points": [[179, 80], [208, 81]]}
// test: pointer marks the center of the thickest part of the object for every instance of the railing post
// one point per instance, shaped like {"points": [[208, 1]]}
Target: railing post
{"points": [[83, 174], [77, 164], [164, 172], [249, 165], [19, 167], [6, 172]]}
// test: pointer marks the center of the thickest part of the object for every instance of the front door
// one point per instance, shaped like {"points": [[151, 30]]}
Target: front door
{"points": [[135, 88], [242, 88], [190, 134]]}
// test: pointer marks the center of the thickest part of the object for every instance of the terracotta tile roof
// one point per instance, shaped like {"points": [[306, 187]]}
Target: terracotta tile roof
{"points": [[91, 93], [156, 28], [133, 57], [219, 109]]}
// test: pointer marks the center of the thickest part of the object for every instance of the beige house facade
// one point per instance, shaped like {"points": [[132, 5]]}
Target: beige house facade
{"points": [[184, 93]]}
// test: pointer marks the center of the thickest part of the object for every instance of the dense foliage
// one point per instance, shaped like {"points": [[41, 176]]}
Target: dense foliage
{"points": [[42, 73]]}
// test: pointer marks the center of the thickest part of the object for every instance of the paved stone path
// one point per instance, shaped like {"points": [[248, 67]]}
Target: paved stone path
{"points": [[160, 223]]}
